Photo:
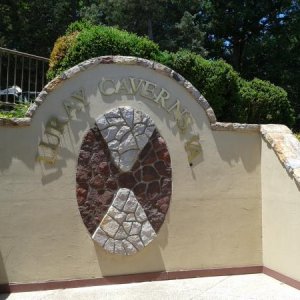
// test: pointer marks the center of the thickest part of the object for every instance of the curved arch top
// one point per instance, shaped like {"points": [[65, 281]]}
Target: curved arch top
{"points": [[119, 60]]}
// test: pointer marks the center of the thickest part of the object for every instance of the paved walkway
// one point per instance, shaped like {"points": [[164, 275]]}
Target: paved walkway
{"points": [[254, 286]]}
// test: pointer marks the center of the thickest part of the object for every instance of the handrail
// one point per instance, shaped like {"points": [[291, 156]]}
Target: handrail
{"points": [[22, 77], [23, 54]]}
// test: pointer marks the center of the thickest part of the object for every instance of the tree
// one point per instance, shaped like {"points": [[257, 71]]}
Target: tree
{"points": [[171, 23], [33, 26], [259, 38]]}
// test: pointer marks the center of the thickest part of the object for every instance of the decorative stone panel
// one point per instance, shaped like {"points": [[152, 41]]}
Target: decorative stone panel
{"points": [[123, 181]]}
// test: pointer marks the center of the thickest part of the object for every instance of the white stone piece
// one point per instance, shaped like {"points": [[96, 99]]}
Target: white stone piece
{"points": [[147, 233], [131, 204], [125, 228], [109, 225], [121, 234], [117, 215], [100, 236], [110, 245], [129, 248], [126, 132], [119, 249], [135, 228], [136, 241], [140, 214]]}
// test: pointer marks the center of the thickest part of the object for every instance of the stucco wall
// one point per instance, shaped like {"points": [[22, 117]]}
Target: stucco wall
{"points": [[280, 203], [214, 219]]}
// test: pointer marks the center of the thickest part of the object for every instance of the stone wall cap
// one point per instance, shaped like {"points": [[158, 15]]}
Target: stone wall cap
{"points": [[286, 147]]}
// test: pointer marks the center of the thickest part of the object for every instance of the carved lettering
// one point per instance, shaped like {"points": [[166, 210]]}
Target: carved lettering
{"points": [[50, 157], [107, 86], [56, 124], [135, 87], [122, 87], [148, 90], [70, 106], [162, 97], [80, 95]]}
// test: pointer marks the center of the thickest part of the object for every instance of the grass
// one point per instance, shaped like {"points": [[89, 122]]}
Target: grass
{"points": [[18, 111]]}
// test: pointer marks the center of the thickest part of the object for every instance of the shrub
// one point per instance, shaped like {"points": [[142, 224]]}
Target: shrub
{"points": [[98, 41], [263, 102], [216, 81], [60, 49], [232, 98]]}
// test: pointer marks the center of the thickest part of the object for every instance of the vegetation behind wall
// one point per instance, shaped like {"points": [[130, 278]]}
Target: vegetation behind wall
{"points": [[232, 98]]}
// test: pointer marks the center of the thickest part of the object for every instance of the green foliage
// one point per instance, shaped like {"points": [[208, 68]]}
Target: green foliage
{"points": [[216, 80], [18, 111], [259, 38], [98, 41], [264, 102], [231, 97], [59, 51]]}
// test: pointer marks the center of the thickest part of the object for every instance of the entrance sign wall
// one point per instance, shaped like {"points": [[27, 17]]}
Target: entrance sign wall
{"points": [[121, 168], [123, 181]]}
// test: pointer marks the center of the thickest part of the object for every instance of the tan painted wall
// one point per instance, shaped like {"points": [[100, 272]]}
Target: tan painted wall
{"points": [[214, 219], [281, 216]]}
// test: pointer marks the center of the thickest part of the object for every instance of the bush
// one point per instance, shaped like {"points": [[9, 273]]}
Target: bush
{"points": [[97, 41], [232, 98], [263, 102], [216, 81]]}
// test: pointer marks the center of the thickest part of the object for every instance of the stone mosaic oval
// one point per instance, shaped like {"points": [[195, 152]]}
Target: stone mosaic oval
{"points": [[123, 181]]}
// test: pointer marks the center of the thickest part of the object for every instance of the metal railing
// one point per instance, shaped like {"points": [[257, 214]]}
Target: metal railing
{"points": [[22, 77]]}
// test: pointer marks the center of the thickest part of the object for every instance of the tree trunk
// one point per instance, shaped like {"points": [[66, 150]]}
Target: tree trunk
{"points": [[237, 54], [150, 30]]}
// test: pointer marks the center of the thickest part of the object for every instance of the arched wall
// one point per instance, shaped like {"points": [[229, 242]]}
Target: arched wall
{"points": [[214, 219]]}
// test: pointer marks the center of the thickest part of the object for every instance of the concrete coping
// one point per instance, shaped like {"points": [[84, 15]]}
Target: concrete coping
{"points": [[286, 146], [279, 137]]}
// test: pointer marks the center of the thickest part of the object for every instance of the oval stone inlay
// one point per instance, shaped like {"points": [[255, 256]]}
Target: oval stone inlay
{"points": [[123, 181]]}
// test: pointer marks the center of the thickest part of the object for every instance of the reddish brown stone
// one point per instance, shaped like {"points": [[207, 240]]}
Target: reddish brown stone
{"points": [[150, 158], [83, 174], [98, 179], [162, 168], [126, 180], [156, 217], [136, 166], [164, 155], [111, 184], [84, 157], [153, 190], [149, 174], [159, 143], [166, 186], [106, 198], [139, 189], [138, 175], [113, 168], [81, 195], [104, 169], [145, 150], [163, 204], [97, 182]]}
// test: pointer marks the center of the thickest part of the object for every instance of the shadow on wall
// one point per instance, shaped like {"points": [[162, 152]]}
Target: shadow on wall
{"points": [[3, 279], [234, 146]]}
